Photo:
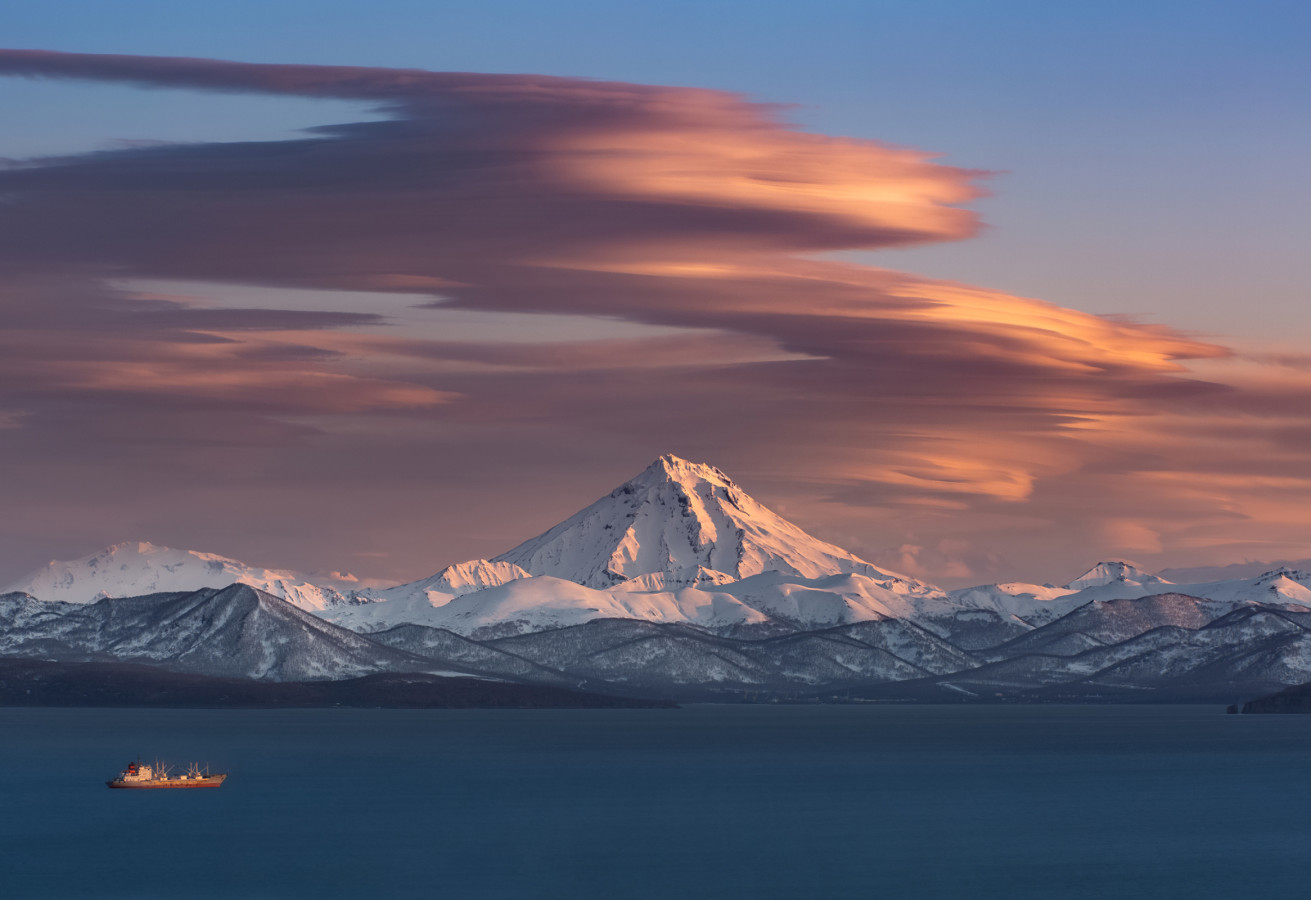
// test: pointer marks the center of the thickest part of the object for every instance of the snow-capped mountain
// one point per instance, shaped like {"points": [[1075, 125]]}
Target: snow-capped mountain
{"points": [[677, 583], [1167, 643], [1280, 587], [1114, 573], [234, 631], [1027, 604], [542, 603], [440, 589], [990, 614], [769, 603], [134, 569], [687, 524], [460, 579], [680, 543]]}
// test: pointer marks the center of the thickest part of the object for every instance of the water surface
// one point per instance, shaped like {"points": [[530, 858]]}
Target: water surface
{"points": [[703, 802]]}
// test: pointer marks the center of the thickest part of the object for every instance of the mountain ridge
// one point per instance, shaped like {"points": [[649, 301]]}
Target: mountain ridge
{"points": [[678, 581], [135, 568]]}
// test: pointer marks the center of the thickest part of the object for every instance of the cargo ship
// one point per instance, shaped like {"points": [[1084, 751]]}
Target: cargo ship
{"points": [[140, 775]]}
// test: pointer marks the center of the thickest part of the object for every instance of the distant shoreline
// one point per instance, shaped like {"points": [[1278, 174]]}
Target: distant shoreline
{"points": [[40, 683]]}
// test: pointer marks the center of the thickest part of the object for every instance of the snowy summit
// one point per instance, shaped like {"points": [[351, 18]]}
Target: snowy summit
{"points": [[1114, 572], [138, 567], [680, 524]]}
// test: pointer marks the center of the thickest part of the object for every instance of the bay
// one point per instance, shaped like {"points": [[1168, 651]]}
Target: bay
{"points": [[701, 802]]}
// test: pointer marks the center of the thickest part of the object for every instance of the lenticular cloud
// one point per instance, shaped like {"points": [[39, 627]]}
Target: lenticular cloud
{"points": [[687, 209]]}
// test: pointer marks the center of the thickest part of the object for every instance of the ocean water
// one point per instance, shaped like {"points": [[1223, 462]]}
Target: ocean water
{"points": [[703, 802]]}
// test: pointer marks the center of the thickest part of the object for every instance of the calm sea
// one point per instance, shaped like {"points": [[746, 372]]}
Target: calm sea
{"points": [[704, 802]]}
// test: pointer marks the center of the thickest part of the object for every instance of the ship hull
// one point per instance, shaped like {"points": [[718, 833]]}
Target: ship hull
{"points": [[168, 784]]}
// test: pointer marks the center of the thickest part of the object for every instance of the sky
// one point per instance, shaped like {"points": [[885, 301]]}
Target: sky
{"points": [[979, 291]]}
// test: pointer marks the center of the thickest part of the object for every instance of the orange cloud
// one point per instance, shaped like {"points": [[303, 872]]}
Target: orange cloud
{"points": [[708, 151]]}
